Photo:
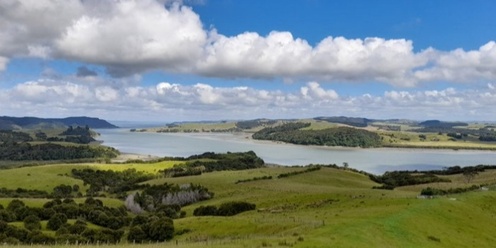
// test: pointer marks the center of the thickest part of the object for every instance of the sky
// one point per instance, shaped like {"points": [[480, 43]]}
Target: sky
{"points": [[195, 60]]}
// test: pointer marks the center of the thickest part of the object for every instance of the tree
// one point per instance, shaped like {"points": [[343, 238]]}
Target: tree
{"points": [[32, 222], [469, 174], [161, 229], [346, 165], [62, 191], [136, 234], [205, 210], [56, 221]]}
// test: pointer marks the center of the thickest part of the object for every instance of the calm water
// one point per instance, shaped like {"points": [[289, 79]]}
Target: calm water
{"points": [[377, 160]]}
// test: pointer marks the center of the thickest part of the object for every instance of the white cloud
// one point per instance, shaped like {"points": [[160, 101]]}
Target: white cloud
{"points": [[461, 66], [172, 102], [135, 36], [313, 90], [30, 27], [106, 94]]}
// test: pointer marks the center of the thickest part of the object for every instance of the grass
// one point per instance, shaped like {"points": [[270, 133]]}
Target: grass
{"points": [[46, 177], [326, 208], [432, 140], [144, 167]]}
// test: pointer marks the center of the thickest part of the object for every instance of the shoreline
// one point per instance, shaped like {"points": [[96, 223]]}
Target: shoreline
{"points": [[248, 136]]}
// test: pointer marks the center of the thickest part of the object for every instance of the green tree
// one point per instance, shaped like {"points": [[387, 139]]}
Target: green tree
{"points": [[136, 234], [161, 229], [56, 221], [32, 222]]}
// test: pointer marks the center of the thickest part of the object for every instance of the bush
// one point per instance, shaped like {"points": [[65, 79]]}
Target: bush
{"points": [[225, 209], [32, 222], [56, 221], [233, 208], [136, 234], [161, 229], [205, 211]]}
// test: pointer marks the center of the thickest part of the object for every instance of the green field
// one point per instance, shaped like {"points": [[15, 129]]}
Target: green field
{"points": [[324, 208]]}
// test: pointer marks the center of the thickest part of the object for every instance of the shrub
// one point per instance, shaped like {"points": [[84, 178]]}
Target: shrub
{"points": [[32, 222], [205, 210], [56, 221]]}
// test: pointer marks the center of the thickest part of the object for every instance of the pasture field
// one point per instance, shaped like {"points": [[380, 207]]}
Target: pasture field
{"points": [[46, 177], [324, 208]]}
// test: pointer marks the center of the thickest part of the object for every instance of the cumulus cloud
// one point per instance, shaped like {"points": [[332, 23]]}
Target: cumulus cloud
{"points": [[462, 66], [279, 54], [29, 28], [135, 36], [173, 102]]}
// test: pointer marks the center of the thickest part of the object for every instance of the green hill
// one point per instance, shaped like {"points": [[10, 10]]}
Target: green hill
{"points": [[329, 207], [9, 123]]}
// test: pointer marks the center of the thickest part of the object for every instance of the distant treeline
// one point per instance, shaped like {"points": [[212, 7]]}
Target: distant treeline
{"points": [[7, 136], [340, 136], [351, 121], [486, 133], [254, 123], [78, 135], [391, 180], [433, 191], [48, 151], [441, 124], [209, 161]]}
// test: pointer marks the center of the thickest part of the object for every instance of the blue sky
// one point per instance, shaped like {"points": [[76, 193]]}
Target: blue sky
{"points": [[238, 59]]}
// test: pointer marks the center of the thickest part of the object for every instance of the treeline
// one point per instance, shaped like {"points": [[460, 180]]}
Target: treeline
{"points": [[340, 136], [294, 173], [352, 121], [109, 181], [441, 124], [47, 151], [391, 180], [225, 209], [486, 134], [112, 221], [209, 161], [453, 170], [250, 124], [78, 135], [253, 179], [8, 136], [433, 191]]}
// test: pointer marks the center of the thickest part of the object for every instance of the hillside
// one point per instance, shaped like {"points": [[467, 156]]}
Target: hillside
{"points": [[330, 206], [11, 123]]}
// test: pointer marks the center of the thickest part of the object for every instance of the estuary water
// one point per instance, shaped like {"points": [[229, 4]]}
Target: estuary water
{"points": [[373, 160]]}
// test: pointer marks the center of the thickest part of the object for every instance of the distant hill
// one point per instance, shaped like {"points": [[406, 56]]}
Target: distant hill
{"points": [[9, 123], [441, 124], [352, 121]]}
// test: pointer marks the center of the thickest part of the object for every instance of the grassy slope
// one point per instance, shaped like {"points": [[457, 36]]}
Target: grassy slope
{"points": [[299, 208], [48, 176], [327, 208]]}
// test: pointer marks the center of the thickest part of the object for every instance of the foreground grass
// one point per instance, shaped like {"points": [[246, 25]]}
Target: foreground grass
{"points": [[325, 208]]}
